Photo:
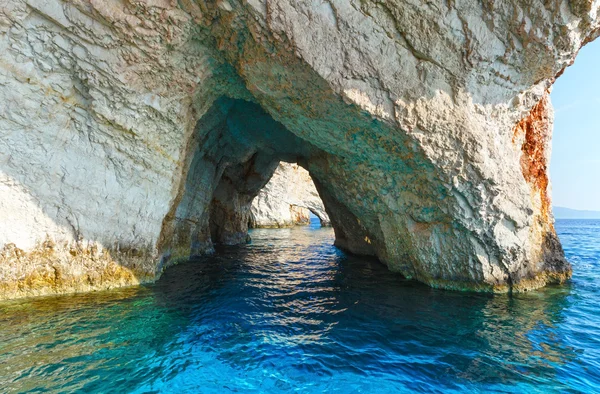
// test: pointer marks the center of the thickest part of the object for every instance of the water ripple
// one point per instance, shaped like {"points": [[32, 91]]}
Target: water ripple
{"points": [[290, 312]]}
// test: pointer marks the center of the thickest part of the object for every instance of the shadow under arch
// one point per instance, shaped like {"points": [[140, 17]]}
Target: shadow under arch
{"points": [[235, 149]]}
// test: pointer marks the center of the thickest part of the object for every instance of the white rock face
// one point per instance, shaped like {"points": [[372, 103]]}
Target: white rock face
{"points": [[136, 132], [287, 199]]}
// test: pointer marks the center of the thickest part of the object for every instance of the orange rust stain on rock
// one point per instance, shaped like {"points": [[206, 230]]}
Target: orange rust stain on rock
{"points": [[537, 128], [300, 215]]}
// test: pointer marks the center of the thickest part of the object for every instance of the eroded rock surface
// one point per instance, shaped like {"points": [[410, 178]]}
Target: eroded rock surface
{"points": [[137, 132], [287, 199]]}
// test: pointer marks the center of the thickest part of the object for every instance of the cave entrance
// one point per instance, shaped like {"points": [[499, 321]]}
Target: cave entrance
{"points": [[235, 150], [289, 199], [314, 221]]}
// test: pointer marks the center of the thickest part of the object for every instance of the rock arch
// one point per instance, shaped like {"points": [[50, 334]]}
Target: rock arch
{"points": [[425, 128], [236, 148], [287, 199]]}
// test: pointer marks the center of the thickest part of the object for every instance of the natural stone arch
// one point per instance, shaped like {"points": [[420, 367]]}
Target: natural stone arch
{"points": [[287, 200], [430, 150], [236, 147], [324, 221]]}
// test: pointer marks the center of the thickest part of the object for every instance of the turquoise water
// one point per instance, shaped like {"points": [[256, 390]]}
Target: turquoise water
{"points": [[289, 312]]}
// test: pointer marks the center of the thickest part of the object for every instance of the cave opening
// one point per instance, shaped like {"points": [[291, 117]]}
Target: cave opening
{"points": [[236, 149], [290, 198]]}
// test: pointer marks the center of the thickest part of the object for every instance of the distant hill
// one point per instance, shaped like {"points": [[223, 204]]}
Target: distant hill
{"points": [[568, 213]]}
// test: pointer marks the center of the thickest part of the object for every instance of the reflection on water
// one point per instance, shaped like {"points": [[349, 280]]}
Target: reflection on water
{"points": [[291, 312]]}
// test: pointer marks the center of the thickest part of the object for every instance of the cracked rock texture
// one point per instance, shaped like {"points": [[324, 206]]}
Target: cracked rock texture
{"points": [[137, 132], [287, 200]]}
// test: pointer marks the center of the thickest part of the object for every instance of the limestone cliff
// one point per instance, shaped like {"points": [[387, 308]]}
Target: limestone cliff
{"points": [[137, 132], [287, 200]]}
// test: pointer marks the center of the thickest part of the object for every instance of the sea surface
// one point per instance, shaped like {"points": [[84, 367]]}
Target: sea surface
{"points": [[291, 313]]}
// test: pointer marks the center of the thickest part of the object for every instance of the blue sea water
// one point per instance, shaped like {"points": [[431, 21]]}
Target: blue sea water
{"points": [[291, 313]]}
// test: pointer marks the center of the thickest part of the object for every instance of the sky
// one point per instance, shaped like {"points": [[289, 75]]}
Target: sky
{"points": [[575, 163]]}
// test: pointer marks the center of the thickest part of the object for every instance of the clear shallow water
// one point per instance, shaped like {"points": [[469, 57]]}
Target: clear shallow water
{"points": [[292, 313]]}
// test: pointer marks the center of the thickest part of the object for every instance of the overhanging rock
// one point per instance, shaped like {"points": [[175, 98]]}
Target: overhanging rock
{"points": [[134, 133]]}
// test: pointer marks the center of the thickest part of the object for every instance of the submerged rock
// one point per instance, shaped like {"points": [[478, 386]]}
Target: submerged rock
{"points": [[144, 129], [287, 200]]}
